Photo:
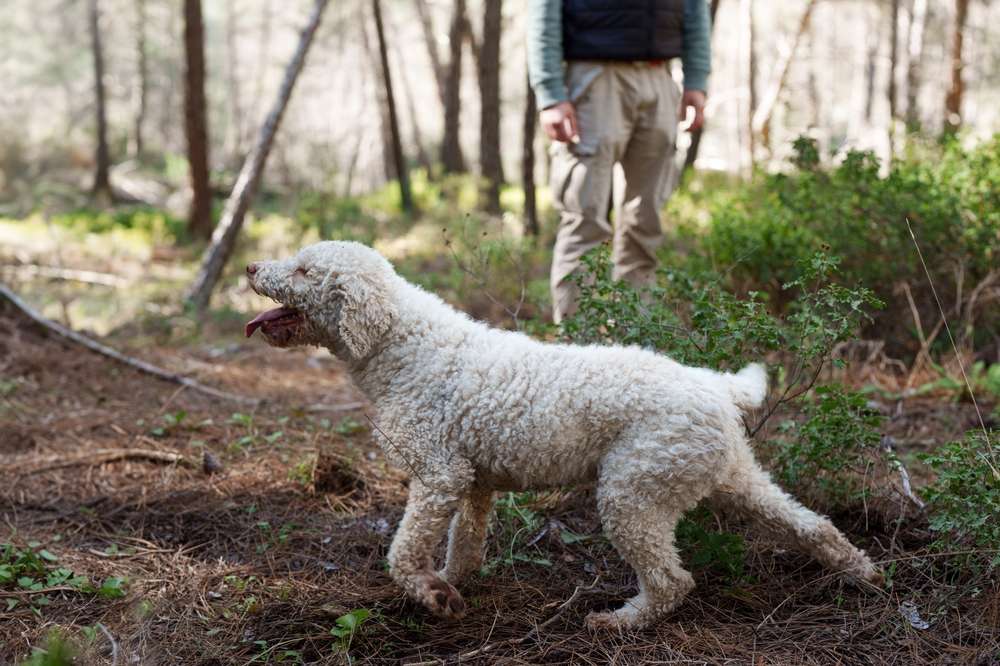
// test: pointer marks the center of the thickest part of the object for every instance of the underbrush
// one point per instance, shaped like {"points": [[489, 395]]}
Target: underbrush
{"points": [[830, 447], [758, 236]]}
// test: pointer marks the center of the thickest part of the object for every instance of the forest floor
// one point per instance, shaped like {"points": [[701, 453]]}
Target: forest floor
{"points": [[256, 563]]}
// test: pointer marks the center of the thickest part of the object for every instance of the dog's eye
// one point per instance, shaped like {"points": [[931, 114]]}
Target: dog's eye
{"points": [[302, 271]]}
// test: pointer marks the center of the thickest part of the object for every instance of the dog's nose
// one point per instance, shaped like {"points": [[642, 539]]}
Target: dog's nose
{"points": [[251, 269]]}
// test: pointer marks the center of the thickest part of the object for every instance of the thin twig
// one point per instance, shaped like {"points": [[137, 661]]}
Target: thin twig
{"points": [[958, 357], [104, 350]]}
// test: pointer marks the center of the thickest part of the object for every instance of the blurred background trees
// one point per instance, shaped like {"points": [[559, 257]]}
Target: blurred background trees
{"points": [[850, 73]]}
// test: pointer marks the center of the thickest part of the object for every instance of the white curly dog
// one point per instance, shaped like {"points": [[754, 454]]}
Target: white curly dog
{"points": [[468, 410]]}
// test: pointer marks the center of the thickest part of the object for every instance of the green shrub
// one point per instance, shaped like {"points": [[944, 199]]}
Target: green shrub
{"points": [[696, 320], [965, 498], [761, 236], [830, 450]]}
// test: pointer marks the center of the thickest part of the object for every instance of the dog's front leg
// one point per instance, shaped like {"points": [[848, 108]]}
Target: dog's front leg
{"points": [[428, 512]]}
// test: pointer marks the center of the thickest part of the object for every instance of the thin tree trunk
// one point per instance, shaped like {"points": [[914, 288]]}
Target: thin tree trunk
{"points": [[915, 55], [893, 67], [451, 148], [692, 151], [402, 173], [871, 62], [531, 227], [236, 130], [763, 113], [490, 162], [195, 122], [752, 85], [815, 99], [224, 237], [263, 59], [423, 159], [430, 40], [102, 172], [142, 85], [381, 101], [474, 46], [953, 100]]}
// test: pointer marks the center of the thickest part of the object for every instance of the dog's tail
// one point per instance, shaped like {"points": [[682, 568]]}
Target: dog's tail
{"points": [[748, 387]]}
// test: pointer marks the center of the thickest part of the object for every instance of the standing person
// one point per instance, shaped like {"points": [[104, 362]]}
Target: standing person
{"points": [[599, 71]]}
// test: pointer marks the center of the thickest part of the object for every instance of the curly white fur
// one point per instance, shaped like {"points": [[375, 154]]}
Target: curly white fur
{"points": [[469, 410]]}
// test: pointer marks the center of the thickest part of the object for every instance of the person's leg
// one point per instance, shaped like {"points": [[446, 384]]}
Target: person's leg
{"points": [[581, 177], [648, 163]]}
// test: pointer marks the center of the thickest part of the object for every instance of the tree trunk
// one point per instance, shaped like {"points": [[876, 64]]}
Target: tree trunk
{"points": [[236, 131], [490, 163], [430, 40], [381, 102], [406, 199], [871, 64], [752, 85], [762, 115], [953, 100], [692, 151], [423, 159], [142, 85], [915, 54], [451, 149], [195, 122], [531, 227], [224, 237], [893, 67], [102, 172]]}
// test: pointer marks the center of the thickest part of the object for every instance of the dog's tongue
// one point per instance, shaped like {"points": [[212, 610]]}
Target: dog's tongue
{"points": [[270, 315]]}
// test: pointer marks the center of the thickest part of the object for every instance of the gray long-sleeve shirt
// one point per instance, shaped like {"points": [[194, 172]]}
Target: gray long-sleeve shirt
{"points": [[545, 54]]}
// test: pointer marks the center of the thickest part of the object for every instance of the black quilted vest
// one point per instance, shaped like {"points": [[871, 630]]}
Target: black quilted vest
{"points": [[622, 29]]}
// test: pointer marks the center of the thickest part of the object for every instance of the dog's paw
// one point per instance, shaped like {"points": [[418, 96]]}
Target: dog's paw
{"points": [[441, 598], [613, 621]]}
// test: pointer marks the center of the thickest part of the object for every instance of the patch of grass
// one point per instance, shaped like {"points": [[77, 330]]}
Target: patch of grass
{"points": [[347, 626]]}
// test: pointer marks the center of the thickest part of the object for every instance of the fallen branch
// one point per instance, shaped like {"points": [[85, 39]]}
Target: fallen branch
{"points": [[96, 457], [104, 350], [67, 274]]}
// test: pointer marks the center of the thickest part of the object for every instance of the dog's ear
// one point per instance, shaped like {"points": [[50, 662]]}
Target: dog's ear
{"points": [[366, 314]]}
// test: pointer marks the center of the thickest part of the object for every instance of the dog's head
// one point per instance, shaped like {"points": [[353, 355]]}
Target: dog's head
{"points": [[334, 294]]}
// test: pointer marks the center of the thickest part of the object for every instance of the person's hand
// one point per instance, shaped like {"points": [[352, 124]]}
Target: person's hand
{"points": [[693, 99], [559, 122]]}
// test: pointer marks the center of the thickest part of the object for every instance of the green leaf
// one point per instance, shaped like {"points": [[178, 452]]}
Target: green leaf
{"points": [[112, 588]]}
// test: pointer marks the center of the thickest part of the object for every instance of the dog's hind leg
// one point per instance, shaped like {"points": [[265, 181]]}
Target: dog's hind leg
{"points": [[467, 535], [640, 503], [749, 491]]}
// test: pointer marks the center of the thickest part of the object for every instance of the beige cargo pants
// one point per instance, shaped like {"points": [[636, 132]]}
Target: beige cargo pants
{"points": [[627, 114]]}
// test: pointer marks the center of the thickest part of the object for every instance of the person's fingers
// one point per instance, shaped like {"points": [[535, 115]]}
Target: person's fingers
{"points": [[699, 118], [551, 131], [559, 131], [574, 130]]}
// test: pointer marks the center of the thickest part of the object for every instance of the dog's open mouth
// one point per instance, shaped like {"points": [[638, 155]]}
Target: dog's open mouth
{"points": [[274, 321]]}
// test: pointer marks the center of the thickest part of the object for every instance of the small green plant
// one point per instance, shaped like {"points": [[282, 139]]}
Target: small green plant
{"points": [[707, 548], [347, 626], [348, 426], [58, 651], [515, 525], [829, 451], [965, 498], [34, 571]]}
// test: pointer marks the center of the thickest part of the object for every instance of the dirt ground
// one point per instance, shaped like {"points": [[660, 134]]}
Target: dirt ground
{"points": [[253, 564]]}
